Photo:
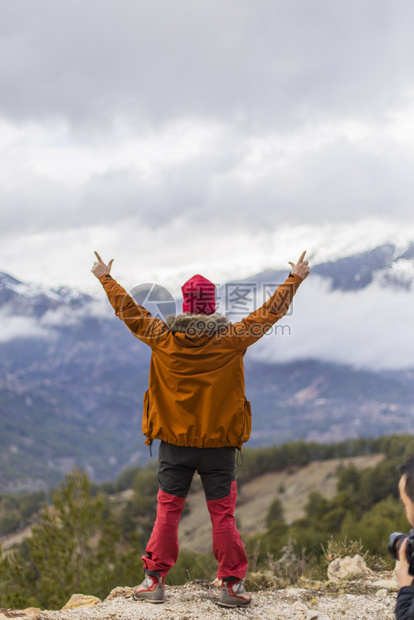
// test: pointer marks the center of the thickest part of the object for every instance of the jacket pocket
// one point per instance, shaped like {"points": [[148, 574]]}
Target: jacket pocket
{"points": [[146, 427], [247, 423]]}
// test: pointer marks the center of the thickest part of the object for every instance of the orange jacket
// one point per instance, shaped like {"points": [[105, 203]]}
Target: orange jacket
{"points": [[196, 378]]}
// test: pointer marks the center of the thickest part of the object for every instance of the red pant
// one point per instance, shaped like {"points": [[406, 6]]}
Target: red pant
{"points": [[228, 549]]}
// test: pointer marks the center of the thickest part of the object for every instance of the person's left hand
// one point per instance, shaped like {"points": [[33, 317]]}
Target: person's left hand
{"points": [[301, 268], [99, 268], [404, 577]]}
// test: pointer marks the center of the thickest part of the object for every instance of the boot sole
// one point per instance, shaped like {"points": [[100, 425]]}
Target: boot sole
{"points": [[147, 600], [233, 604]]}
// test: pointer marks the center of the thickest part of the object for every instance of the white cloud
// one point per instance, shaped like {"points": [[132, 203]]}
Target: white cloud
{"points": [[65, 316], [202, 172], [13, 327], [369, 328]]}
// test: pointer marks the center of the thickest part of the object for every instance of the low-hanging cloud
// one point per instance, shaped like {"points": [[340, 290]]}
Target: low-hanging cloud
{"points": [[65, 316], [369, 328], [14, 327]]}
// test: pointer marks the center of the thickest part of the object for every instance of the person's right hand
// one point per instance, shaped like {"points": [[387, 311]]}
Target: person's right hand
{"points": [[99, 268], [404, 577], [301, 268]]}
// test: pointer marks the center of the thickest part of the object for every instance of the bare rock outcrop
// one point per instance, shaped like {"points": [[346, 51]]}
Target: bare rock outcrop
{"points": [[81, 600], [371, 595], [30, 613], [347, 568]]}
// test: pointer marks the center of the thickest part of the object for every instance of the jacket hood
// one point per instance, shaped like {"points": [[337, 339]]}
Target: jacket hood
{"points": [[196, 324]]}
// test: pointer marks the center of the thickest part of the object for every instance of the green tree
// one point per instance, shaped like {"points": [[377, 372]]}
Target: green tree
{"points": [[61, 544], [76, 547], [275, 513], [375, 526]]}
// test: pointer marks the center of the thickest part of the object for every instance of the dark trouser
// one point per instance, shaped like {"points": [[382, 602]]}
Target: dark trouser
{"points": [[217, 469]]}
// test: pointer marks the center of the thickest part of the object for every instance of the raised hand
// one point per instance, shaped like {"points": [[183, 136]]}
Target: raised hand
{"points": [[99, 268], [301, 268]]}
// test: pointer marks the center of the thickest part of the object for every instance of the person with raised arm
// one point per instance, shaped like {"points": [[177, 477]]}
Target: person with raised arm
{"points": [[196, 406]]}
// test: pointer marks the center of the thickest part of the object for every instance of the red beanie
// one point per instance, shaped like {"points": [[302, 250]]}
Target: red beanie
{"points": [[199, 296]]}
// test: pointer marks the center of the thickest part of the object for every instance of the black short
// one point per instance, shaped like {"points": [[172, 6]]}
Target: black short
{"points": [[177, 464]]}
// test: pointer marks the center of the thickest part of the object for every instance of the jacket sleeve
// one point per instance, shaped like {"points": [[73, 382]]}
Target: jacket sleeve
{"points": [[255, 325], [404, 609], [141, 322]]}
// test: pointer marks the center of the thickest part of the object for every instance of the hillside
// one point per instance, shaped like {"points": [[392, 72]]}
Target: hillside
{"points": [[291, 486]]}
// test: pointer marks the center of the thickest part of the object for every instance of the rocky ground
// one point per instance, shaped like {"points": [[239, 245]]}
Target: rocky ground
{"points": [[369, 596]]}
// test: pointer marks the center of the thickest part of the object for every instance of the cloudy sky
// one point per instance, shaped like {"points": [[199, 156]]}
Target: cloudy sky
{"points": [[182, 136]]}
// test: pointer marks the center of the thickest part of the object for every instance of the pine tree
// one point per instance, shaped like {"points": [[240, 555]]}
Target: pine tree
{"points": [[61, 544], [75, 548]]}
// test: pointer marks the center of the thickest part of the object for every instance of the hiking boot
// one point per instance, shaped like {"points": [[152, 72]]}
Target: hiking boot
{"points": [[151, 589], [233, 594]]}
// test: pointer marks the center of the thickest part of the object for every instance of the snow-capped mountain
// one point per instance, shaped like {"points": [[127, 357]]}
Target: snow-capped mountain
{"points": [[388, 265], [25, 299]]}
